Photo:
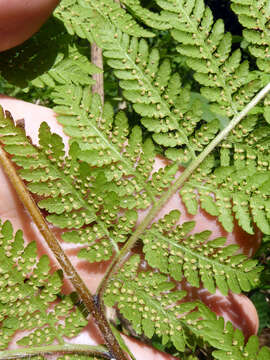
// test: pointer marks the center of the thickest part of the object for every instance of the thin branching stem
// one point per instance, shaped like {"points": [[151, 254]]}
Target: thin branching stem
{"points": [[26, 353], [120, 258], [90, 302]]}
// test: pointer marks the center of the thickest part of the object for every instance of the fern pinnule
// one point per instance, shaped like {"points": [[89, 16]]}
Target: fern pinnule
{"points": [[150, 18], [229, 343]]}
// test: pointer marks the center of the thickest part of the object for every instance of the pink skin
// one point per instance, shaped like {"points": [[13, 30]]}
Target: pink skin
{"points": [[20, 19], [236, 308]]}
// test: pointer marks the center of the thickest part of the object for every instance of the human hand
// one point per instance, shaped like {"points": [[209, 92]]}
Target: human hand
{"points": [[19, 19], [236, 308]]}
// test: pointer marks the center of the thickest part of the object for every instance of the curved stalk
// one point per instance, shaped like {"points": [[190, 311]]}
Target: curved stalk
{"points": [[86, 350], [121, 256], [90, 302]]}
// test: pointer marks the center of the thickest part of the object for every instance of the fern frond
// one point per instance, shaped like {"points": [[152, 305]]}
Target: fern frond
{"points": [[146, 300], [105, 144], [79, 15], [153, 306], [239, 185], [226, 81], [28, 293], [153, 88], [150, 18], [255, 17], [103, 172], [229, 342], [32, 64], [170, 249]]}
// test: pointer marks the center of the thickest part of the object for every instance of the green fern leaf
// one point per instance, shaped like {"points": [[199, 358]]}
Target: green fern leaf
{"points": [[155, 91], [94, 191], [254, 16], [25, 281], [149, 301], [77, 15], [141, 299], [100, 174], [239, 187], [150, 18], [226, 82], [170, 249], [32, 65]]}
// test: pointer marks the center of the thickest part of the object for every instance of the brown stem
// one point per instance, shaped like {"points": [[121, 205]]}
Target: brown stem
{"points": [[90, 302], [97, 59]]}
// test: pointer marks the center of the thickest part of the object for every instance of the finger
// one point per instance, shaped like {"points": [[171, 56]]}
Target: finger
{"points": [[21, 19]]}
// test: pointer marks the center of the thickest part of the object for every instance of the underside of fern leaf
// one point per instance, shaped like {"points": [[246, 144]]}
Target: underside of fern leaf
{"points": [[239, 187], [226, 82], [170, 249], [254, 16], [31, 297], [95, 191], [153, 306], [77, 15], [87, 202], [100, 175]]}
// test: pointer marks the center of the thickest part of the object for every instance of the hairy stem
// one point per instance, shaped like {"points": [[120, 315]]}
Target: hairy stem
{"points": [[86, 350], [97, 59], [120, 258], [90, 302]]}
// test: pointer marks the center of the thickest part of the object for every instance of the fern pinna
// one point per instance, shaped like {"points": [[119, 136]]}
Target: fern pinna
{"points": [[95, 191], [28, 295]]}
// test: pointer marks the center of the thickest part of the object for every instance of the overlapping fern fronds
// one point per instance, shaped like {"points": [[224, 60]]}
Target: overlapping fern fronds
{"points": [[226, 81], [239, 186], [32, 65], [94, 191], [101, 174], [102, 177], [167, 110]]}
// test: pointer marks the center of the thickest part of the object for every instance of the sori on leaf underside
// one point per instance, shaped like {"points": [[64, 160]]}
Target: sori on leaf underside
{"points": [[95, 190]]}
